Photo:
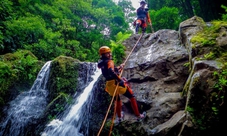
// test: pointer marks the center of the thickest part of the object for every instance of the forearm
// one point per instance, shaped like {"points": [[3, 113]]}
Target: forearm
{"points": [[113, 74]]}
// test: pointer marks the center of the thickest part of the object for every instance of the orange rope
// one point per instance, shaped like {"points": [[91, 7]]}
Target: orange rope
{"points": [[113, 118], [108, 111], [117, 94]]}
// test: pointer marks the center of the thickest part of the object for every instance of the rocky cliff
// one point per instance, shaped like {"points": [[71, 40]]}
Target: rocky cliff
{"points": [[175, 76]]}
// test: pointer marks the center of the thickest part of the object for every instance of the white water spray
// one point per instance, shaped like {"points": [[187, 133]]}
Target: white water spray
{"points": [[71, 123], [26, 107]]}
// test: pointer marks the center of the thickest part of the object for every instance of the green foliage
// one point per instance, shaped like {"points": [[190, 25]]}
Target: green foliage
{"points": [[209, 56], [129, 11], [222, 78], [207, 37], [5, 75], [189, 8], [52, 25], [118, 50], [61, 78], [189, 109], [32, 27], [187, 64], [5, 9], [25, 64], [204, 41], [62, 83], [92, 54], [204, 113], [49, 29], [165, 18], [50, 117], [120, 37], [1, 41], [57, 105], [18, 68], [224, 16], [4, 69]]}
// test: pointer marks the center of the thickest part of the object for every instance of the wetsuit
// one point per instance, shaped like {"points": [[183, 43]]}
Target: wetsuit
{"points": [[142, 18], [112, 78]]}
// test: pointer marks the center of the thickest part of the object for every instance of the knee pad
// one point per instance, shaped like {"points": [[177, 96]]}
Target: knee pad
{"points": [[138, 22]]}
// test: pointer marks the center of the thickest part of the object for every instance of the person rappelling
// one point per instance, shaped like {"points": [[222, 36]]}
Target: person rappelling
{"points": [[110, 72]]}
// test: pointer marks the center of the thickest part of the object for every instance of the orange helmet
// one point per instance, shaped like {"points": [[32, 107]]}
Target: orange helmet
{"points": [[104, 49]]}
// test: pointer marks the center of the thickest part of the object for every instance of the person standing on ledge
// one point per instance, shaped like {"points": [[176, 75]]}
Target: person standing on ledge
{"points": [[142, 18]]}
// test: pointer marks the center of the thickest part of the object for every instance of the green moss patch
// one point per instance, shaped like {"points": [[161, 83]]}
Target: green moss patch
{"points": [[63, 75], [207, 37], [62, 83], [17, 70]]}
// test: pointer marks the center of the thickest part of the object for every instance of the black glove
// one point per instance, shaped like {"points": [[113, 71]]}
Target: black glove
{"points": [[122, 83]]}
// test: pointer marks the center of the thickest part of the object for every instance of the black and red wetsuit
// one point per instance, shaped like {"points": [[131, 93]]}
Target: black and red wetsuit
{"points": [[112, 78]]}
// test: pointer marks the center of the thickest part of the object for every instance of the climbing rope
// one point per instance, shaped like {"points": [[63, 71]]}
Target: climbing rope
{"points": [[115, 110], [116, 93]]}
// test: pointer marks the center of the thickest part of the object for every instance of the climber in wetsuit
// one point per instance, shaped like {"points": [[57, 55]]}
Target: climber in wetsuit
{"points": [[110, 72], [142, 18]]}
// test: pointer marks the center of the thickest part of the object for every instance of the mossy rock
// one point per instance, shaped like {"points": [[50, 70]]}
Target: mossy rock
{"points": [[63, 76], [205, 42]]}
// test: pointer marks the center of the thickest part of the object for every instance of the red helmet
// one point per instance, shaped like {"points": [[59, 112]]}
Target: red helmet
{"points": [[103, 50]]}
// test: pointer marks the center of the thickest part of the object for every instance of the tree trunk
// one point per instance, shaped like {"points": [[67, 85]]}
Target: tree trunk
{"points": [[187, 8]]}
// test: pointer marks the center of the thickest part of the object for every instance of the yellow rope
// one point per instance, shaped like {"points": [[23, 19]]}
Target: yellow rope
{"points": [[115, 91], [115, 110]]}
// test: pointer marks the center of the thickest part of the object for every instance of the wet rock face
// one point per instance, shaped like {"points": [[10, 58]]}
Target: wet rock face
{"points": [[157, 75], [84, 71], [168, 79], [162, 58], [190, 27]]}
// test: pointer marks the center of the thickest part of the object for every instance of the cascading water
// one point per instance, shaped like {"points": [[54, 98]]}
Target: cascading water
{"points": [[26, 107], [75, 117]]}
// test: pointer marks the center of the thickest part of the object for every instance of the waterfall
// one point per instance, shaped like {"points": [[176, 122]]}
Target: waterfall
{"points": [[76, 116], [26, 107]]}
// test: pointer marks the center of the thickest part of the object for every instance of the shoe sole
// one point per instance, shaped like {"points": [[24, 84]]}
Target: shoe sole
{"points": [[145, 114]]}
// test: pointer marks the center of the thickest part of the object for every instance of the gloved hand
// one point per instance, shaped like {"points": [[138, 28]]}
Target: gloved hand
{"points": [[121, 83], [120, 68]]}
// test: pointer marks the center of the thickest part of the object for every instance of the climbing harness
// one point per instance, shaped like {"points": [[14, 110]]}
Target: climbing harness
{"points": [[116, 93]]}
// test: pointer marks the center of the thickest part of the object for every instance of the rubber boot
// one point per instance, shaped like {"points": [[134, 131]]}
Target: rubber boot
{"points": [[134, 106], [118, 108]]}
